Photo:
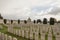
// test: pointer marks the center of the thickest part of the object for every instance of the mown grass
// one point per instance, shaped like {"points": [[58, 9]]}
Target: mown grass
{"points": [[16, 28], [39, 36], [18, 37], [4, 30], [46, 35], [53, 36]]}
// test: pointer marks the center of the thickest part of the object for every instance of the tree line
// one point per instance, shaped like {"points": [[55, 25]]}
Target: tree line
{"points": [[51, 21]]}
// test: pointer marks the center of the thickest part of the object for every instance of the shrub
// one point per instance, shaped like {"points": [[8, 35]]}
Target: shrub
{"points": [[52, 21], [38, 21], [44, 21], [18, 21], [5, 21], [11, 21], [1, 17], [25, 21], [58, 21], [34, 21]]}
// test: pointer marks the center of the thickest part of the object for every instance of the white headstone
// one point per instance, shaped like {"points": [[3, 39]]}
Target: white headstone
{"points": [[6, 37], [31, 35], [2, 36], [14, 38], [9, 37], [36, 36], [22, 33], [19, 32]]}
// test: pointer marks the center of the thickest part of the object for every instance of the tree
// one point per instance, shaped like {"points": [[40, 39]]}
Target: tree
{"points": [[44, 21], [34, 21], [52, 21], [25, 21], [58, 21], [18, 21], [5, 21], [11, 21], [38, 21], [1, 17]]}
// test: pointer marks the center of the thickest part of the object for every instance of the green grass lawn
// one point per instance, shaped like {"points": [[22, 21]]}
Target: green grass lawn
{"points": [[16, 27], [46, 35], [53, 36], [4, 30]]}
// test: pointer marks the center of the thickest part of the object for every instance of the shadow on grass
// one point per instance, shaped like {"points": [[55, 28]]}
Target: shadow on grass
{"points": [[18, 37]]}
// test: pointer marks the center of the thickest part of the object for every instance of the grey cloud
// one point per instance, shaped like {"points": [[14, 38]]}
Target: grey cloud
{"points": [[54, 11]]}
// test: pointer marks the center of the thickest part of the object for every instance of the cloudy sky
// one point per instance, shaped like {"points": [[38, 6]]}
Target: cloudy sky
{"points": [[35, 9]]}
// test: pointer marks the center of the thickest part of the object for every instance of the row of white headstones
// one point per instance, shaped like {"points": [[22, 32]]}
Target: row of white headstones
{"points": [[27, 31], [6, 37]]}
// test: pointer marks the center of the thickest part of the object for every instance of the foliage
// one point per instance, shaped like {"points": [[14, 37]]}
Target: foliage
{"points": [[5, 21], [25, 21], [59, 21], [18, 21], [1, 17], [44, 21], [38, 21], [52, 21], [11, 21], [34, 21]]}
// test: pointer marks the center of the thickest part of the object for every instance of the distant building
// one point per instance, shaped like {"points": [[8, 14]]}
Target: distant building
{"points": [[29, 20]]}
